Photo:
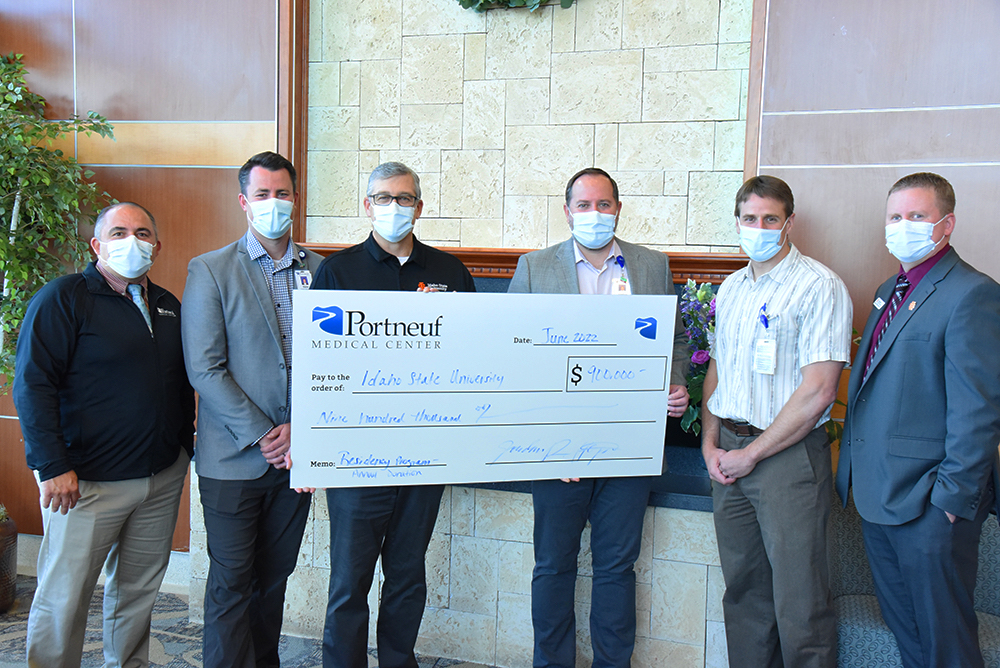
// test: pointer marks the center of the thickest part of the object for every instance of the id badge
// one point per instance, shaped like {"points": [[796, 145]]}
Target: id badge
{"points": [[765, 356], [303, 279]]}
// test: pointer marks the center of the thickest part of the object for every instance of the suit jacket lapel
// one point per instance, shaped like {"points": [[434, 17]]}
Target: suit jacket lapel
{"points": [[256, 279], [566, 269]]}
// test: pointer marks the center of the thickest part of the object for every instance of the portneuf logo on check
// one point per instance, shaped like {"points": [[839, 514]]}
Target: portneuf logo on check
{"points": [[397, 334], [646, 327]]}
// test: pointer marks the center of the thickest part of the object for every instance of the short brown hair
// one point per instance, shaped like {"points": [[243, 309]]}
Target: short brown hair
{"points": [[767, 187], [591, 171], [943, 191]]}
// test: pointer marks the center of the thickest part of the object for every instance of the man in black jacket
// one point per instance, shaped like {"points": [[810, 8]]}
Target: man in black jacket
{"points": [[107, 415]]}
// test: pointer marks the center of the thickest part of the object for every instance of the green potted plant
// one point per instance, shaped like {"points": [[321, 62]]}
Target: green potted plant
{"points": [[44, 196], [483, 5], [8, 560]]}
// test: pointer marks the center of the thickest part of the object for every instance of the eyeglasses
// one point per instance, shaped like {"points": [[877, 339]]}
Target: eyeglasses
{"points": [[384, 198]]}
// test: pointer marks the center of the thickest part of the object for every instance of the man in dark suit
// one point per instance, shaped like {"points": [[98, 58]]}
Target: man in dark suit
{"points": [[237, 347], [593, 261], [923, 423]]}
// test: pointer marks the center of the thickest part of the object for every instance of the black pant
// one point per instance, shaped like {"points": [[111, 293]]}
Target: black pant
{"points": [[254, 532], [367, 522]]}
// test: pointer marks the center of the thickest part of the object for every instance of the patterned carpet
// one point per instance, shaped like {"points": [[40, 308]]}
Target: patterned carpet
{"points": [[175, 642]]}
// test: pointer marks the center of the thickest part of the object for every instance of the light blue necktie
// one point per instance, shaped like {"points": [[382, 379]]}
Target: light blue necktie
{"points": [[135, 290]]}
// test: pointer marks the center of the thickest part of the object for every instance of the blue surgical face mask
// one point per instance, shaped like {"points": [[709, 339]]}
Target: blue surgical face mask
{"points": [[911, 240], [271, 217], [391, 221], [760, 244], [593, 229], [130, 257]]}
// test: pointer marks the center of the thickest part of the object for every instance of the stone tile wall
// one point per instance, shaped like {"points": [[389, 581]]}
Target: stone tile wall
{"points": [[496, 111], [479, 583]]}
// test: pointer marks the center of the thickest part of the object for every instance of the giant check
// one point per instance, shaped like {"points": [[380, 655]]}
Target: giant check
{"points": [[399, 388]]}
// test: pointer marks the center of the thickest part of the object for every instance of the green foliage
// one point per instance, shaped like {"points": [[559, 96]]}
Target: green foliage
{"points": [[43, 196], [3, 514], [483, 5]]}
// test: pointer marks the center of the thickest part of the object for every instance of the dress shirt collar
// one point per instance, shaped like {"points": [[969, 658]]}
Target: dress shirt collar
{"points": [[780, 271], [255, 250], [116, 283], [916, 274], [417, 255], [611, 259]]}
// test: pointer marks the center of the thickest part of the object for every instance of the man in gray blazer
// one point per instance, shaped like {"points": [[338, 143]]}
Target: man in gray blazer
{"points": [[923, 424], [237, 348], [593, 262]]}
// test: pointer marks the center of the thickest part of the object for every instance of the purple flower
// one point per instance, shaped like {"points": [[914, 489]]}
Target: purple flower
{"points": [[700, 357]]}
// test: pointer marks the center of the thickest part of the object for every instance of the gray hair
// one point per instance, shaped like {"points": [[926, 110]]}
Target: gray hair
{"points": [[99, 223], [388, 170]]}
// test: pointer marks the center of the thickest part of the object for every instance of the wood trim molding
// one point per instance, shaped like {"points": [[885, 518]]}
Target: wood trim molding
{"points": [[293, 82], [501, 262], [755, 89]]}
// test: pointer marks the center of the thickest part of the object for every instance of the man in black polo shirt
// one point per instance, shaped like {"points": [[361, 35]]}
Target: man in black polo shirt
{"points": [[394, 522]]}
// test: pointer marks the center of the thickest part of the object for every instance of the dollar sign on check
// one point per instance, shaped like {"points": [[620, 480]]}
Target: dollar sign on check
{"points": [[576, 375]]}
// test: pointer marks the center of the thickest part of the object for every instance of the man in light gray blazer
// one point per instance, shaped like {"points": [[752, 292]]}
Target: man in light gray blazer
{"points": [[237, 348], [593, 262], [923, 424]]}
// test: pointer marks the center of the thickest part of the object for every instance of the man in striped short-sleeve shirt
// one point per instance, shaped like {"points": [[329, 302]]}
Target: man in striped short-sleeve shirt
{"points": [[783, 329]]}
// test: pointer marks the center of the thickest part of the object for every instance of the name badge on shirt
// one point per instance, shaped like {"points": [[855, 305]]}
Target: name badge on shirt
{"points": [[765, 356], [303, 279]]}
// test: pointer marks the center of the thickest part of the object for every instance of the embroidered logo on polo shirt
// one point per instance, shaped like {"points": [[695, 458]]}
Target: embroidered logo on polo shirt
{"points": [[163, 311]]}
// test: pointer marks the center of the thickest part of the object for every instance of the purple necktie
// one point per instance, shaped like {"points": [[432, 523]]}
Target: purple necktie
{"points": [[902, 285]]}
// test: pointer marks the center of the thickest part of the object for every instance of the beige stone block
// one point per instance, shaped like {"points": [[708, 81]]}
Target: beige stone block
{"points": [[474, 571], [425, 126], [710, 208], [361, 30], [675, 183], [315, 31], [518, 43], [443, 523], [436, 231], [374, 597], [558, 228], [667, 146], [463, 511], [527, 102], [680, 58], [337, 230], [319, 509], [380, 91], [564, 29], [196, 601], [685, 535], [730, 144], [456, 634], [482, 233], [678, 608], [430, 192], [653, 220], [368, 161], [472, 184], [606, 146], [324, 84], [541, 159], [363, 193], [670, 23], [643, 608], [525, 221], [197, 515], [517, 561], [576, 98], [333, 128], [420, 161], [378, 139], [722, 249], [691, 96], [584, 648], [716, 652], [585, 558], [716, 589], [744, 93], [438, 567], [350, 84], [433, 69], [475, 56], [735, 18], [332, 188], [515, 642], [483, 115], [644, 564], [503, 515], [321, 544], [305, 556], [305, 602], [598, 26], [734, 56], [652, 653], [440, 17], [199, 555], [631, 184]]}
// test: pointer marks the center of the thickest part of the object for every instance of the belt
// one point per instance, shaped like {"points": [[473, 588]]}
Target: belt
{"points": [[741, 428]]}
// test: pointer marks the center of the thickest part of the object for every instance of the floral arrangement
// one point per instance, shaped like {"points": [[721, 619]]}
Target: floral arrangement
{"points": [[698, 316]]}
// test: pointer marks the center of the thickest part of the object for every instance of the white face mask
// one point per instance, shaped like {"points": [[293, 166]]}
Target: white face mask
{"points": [[910, 240], [271, 217], [129, 257], [593, 229], [759, 244], [391, 221]]}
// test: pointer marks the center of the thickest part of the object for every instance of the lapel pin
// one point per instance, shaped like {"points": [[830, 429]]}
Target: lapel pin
{"points": [[879, 303], [912, 305]]}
